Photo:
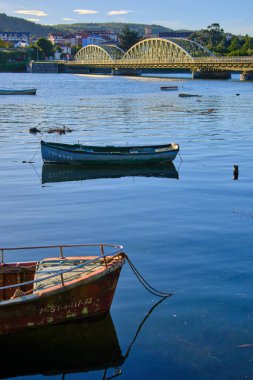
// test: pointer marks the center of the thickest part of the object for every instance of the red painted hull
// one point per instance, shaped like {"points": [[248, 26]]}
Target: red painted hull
{"points": [[87, 297]]}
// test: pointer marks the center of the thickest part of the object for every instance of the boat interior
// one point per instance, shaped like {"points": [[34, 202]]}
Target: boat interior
{"points": [[16, 273], [114, 149], [18, 279], [21, 279]]}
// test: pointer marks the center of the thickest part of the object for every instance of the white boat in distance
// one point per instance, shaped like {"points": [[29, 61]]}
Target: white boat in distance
{"points": [[90, 154]]}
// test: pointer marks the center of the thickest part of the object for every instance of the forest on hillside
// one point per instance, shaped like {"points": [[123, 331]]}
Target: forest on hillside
{"points": [[216, 40], [17, 24]]}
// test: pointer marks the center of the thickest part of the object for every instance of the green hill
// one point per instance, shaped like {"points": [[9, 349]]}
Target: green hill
{"points": [[113, 26], [17, 24]]}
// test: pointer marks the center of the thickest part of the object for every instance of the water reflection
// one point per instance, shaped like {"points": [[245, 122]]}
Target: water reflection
{"points": [[63, 173], [78, 346]]}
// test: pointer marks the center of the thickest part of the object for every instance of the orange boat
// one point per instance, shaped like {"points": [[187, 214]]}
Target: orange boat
{"points": [[60, 288]]}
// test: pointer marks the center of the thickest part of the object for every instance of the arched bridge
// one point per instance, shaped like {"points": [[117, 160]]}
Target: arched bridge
{"points": [[159, 53]]}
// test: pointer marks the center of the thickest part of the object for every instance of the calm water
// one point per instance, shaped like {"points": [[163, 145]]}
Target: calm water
{"points": [[188, 230]]}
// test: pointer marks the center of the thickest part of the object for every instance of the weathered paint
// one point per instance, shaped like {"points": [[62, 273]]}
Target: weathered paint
{"points": [[87, 297]]}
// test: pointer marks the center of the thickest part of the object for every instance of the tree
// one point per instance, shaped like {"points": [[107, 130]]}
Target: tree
{"points": [[3, 44], [222, 46], [128, 38], [235, 46], [36, 52], [45, 46], [247, 46], [75, 49], [213, 37]]}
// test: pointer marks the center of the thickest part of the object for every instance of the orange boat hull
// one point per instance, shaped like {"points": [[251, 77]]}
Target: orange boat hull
{"points": [[87, 300]]}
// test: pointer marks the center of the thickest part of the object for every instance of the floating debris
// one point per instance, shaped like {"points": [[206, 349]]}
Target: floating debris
{"points": [[34, 130], [210, 110], [61, 131]]}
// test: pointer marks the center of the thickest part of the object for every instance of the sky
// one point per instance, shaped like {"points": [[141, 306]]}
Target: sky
{"points": [[233, 16]]}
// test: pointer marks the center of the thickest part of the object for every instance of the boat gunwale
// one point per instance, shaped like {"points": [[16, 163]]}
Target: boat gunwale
{"points": [[103, 256], [59, 288], [116, 246]]}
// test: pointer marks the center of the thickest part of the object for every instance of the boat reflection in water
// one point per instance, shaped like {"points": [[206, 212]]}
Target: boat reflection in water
{"points": [[78, 346], [70, 347], [62, 173]]}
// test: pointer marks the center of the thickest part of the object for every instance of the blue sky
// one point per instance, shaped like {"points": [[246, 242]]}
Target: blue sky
{"points": [[233, 16]]}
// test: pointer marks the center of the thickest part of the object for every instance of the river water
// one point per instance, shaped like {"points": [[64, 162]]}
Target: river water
{"points": [[187, 228]]}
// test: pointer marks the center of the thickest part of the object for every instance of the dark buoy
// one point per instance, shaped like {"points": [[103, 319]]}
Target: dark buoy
{"points": [[237, 94], [235, 172]]}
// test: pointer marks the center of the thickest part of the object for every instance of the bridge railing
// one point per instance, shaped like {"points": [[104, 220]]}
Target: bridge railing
{"points": [[235, 60], [224, 59]]}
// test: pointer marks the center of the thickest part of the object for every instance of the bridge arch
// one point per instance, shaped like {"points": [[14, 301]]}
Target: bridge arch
{"points": [[155, 49], [165, 50], [193, 47], [103, 53]]}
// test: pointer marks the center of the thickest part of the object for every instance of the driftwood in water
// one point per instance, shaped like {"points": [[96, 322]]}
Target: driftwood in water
{"points": [[210, 110], [34, 130], [61, 131]]}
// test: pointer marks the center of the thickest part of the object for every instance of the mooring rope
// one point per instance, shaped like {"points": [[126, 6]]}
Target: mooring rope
{"points": [[142, 323], [146, 285], [31, 159]]}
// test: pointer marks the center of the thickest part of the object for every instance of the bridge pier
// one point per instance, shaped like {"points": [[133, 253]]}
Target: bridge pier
{"points": [[202, 74], [126, 72], [246, 75]]}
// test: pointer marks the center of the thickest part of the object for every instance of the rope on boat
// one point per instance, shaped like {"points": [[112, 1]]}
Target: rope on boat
{"points": [[146, 285]]}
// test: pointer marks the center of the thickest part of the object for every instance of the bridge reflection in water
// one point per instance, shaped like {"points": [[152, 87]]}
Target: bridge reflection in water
{"points": [[159, 53]]}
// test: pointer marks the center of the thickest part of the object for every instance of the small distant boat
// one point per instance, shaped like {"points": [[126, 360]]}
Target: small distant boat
{"points": [[58, 289], [167, 88], [52, 173], [86, 154], [188, 95], [27, 91]]}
